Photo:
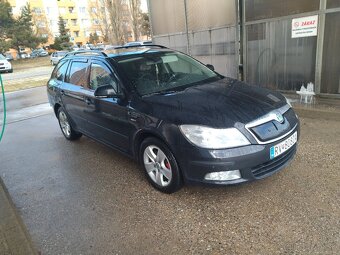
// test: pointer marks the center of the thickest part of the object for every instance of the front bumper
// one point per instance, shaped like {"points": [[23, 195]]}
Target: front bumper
{"points": [[6, 68], [252, 161]]}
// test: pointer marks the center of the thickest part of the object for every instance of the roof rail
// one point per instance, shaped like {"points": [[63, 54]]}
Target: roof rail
{"points": [[139, 46], [94, 52]]}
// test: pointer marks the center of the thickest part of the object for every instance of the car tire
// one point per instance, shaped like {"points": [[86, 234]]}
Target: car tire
{"points": [[11, 71], [160, 166], [65, 126]]}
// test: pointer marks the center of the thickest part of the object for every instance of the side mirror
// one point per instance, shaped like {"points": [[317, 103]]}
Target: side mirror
{"points": [[106, 91], [211, 67]]}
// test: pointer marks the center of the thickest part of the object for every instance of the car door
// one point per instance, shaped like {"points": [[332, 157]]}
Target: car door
{"points": [[107, 117], [72, 92]]}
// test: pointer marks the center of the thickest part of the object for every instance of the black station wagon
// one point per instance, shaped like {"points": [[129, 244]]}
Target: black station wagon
{"points": [[181, 120]]}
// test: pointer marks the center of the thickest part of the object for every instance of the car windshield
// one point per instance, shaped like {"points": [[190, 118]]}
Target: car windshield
{"points": [[2, 57], [162, 72]]}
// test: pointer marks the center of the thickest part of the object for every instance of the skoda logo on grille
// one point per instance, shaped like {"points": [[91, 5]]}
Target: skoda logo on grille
{"points": [[279, 117]]}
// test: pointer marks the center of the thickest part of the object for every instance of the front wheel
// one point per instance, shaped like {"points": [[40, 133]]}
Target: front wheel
{"points": [[65, 126], [160, 166]]}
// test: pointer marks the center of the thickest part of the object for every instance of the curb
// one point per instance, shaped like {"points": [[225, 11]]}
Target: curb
{"points": [[14, 236]]}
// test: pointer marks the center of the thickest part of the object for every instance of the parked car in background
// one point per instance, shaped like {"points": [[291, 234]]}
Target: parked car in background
{"points": [[56, 56], [138, 43], [40, 53], [5, 65], [9, 56], [183, 122], [23, 55]]}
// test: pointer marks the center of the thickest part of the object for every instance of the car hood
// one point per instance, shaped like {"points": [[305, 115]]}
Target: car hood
{"points": [[217, 104]]}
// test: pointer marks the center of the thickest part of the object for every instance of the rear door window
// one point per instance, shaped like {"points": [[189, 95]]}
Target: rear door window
{"points": [[59, 72], [78, 74]]}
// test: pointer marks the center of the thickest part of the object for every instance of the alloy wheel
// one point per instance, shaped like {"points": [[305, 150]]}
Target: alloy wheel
{"points": [[64, 124], [157, 165]]}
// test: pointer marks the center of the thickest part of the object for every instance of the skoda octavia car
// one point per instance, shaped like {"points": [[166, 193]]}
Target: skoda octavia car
{"points": [[182, 121]]}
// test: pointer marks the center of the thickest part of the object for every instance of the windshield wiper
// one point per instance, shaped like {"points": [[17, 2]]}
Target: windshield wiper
{"points": [[163, 92]]}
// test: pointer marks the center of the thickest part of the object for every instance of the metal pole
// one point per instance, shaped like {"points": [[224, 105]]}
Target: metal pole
{"points": [[187, 27], [319, 47], [150, 20]]}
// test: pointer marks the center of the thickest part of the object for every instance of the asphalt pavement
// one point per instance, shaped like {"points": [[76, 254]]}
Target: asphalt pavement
{"points": [[84, 198]]}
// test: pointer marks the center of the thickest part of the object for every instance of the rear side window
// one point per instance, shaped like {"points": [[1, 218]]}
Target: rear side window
{"points": [[78, 74], [101, 76], [59, 72]]}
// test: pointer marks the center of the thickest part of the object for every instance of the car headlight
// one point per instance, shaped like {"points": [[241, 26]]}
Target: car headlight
{"points": [[214, 138]]}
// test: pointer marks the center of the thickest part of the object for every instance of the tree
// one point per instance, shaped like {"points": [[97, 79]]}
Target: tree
{"points": [[135, 13], [145, 25], [101, 14], [94, 38], [115, 11], [62, 42], [22, 34], [40, 23], [6, 24]]}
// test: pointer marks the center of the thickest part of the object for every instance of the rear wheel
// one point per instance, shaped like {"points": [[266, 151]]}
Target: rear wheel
{"points": [[65, 126], [160, 166]]}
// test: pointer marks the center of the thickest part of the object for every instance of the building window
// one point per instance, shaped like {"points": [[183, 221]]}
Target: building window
{"points": [[41, 24], [65, 22], [76, 33], [95, 21], [44, 35], [94, 10], [62, 10], [99, 33], [70, 9], [82, 9], [74, 22], [37, 10], [85, 22]]}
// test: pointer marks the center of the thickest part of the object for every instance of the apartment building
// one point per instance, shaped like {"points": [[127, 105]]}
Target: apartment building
{"points": [[81, 18]]}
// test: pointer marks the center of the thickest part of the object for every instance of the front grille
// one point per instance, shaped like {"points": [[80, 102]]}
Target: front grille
{"points": [[274, 164], [274, 129]]}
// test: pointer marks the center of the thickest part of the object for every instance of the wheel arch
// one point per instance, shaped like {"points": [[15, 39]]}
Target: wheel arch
{"points": [[141, 136], [56, 108]]}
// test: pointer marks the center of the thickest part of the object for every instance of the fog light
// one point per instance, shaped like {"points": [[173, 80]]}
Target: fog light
{"points": [[223, 176]]}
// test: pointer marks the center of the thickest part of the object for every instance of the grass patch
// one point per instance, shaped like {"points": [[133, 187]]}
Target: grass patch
{"points": [[9, 87], [22, 64]]}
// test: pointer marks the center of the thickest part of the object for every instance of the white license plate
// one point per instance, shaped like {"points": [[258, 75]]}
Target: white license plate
{"points": [[284, 146]]}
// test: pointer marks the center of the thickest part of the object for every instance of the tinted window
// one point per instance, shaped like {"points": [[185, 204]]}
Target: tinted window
{"points": [[78, 73], [60, 71], [158, 72], [100, 76], [333, 3]]}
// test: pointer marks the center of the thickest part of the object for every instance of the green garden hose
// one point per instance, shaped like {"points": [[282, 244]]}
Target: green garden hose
{"points": [[4, 100]]}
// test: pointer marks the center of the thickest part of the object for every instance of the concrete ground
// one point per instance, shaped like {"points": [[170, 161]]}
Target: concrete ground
{"points": [[84, 198]]}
